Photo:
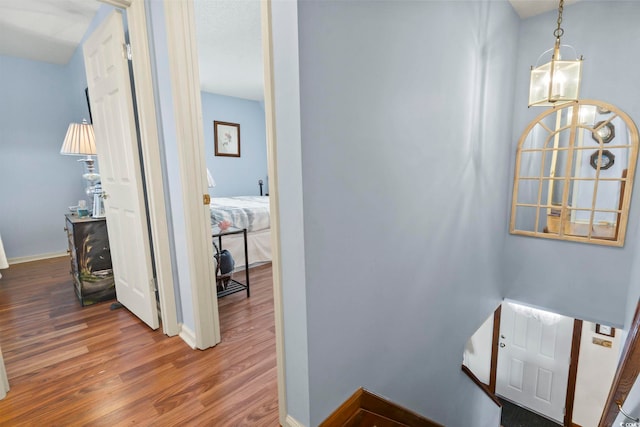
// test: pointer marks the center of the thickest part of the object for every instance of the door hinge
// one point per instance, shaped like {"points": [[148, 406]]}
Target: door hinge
{"points": [[206, 199], [127, 51]]}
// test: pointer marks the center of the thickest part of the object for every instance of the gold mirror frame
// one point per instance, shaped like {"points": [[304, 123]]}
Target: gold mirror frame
{"points": [[558, 145]]}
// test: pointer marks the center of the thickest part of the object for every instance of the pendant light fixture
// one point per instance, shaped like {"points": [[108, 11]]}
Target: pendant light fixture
{"points": [[557, 81]]}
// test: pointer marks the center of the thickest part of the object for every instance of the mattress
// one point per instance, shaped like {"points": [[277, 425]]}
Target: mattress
{"points": [[250, 212]]}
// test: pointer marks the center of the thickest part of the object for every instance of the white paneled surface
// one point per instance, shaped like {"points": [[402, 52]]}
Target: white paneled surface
{"points": [[114, 126], [533, 360]]}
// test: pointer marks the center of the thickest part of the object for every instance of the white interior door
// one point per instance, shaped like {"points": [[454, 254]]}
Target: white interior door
{"points": [[533, 359], [114, 124]]}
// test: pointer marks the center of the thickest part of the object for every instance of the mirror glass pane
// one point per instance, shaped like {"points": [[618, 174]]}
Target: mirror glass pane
{"points": [[528, 191], [525, 218], [530, 163]]}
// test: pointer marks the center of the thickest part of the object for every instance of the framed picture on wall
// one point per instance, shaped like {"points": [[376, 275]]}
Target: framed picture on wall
{"points": [[227, 139], [605, 330]]}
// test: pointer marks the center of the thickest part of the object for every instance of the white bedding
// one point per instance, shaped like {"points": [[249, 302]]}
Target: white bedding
{"points": [[258, 247], [250, 212]]}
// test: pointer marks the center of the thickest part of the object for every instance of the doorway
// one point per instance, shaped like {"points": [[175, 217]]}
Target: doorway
{"points": [[594, 360], [534, 355]]}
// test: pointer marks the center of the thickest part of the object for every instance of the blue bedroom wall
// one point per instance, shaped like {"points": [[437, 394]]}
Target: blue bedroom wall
{"points": [[38, 184], [39, 100], [406, 114], [236, 176], [589, 282]]}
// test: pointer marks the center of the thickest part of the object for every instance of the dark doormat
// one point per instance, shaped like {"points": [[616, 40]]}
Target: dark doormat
{"points": [[516, 416]]}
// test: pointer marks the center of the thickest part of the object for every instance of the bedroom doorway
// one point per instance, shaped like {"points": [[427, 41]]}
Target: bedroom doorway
{"points": [[187, 108], [147, 135]]}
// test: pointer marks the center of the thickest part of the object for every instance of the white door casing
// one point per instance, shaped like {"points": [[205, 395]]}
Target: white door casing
{"points": [[107, 71], [534, 358], [4, 379]]}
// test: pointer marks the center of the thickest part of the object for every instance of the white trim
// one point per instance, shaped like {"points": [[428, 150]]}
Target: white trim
{"points": [[187, 335], [187, 107], [290, 421], [118, 3], [141, 64], [29, 258], [270, 123], [4, 379]]}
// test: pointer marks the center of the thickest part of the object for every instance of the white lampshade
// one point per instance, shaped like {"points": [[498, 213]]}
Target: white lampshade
{"points": [[210, 180], [80, 140]]}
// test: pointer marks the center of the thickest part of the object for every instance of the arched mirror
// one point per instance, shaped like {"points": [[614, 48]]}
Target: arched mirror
{"points": [[574, 174]]}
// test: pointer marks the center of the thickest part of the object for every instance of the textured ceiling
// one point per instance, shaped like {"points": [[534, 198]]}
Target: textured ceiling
{"points": [[44, 30], [229, 47]]}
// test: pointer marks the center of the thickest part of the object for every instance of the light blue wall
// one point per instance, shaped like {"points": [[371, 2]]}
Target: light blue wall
{"points": [[236, 176], [39, 100], [588, 282], [38, 184], [286, 80], [406, 116]]}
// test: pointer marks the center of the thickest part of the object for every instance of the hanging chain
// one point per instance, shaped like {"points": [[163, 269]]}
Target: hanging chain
{"points": [[559, 31]]}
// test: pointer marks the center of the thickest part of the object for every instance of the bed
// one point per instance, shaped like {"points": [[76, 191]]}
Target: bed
{"points": [[252, 213]]}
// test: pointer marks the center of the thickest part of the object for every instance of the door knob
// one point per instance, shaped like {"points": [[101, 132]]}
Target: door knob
{"points": [[502, 345], [502, 336], [105, 195]]}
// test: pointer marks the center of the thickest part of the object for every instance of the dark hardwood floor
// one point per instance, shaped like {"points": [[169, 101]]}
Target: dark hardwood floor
{"points": [[70, 365]]}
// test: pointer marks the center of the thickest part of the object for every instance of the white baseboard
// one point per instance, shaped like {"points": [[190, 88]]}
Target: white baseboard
{"points": [[292, 422], [29, 258], [187, 335]]}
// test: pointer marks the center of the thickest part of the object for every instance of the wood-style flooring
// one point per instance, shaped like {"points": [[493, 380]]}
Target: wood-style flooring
{"points": [[71, 366]]}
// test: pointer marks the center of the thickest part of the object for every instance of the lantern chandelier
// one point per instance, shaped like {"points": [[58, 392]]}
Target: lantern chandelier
{"points": [[557, 81]]}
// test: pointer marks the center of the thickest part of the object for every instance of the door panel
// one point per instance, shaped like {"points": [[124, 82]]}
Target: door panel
{"points": [[533, 359], [114, 124]]}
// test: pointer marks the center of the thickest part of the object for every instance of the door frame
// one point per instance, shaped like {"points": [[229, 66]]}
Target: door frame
{"points": [[187, 107], [573, 364], [152, 160], [274, 206]]}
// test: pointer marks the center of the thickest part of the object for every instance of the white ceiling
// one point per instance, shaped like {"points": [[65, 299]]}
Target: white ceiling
{"points": [[44, 30], [229, 47], [529, 8], [228, 33]]}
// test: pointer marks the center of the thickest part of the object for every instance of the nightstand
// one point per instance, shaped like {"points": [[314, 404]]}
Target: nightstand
{"points": [[90, 258]]}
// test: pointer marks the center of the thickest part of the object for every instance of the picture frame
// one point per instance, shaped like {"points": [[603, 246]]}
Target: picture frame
{"points": [[605, 330], [226, 138]]}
